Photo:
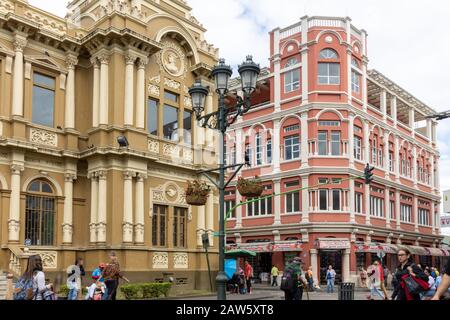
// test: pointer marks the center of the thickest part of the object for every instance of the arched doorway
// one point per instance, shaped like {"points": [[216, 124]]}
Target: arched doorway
{"points": [[40, 213]]}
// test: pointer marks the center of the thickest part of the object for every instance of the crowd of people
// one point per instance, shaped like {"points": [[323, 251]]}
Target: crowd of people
{"points": [[104, 283]]}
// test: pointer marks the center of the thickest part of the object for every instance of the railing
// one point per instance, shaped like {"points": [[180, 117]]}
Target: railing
{"points": [[285, 33], [313, 148], [15, 260], [326, 22]]}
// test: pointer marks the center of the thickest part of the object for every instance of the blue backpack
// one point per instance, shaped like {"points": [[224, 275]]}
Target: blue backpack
{"points": [[24, 289]]}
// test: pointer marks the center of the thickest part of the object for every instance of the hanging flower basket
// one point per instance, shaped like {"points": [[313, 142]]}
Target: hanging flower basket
{"points": [[197, 193], [250, 188]]}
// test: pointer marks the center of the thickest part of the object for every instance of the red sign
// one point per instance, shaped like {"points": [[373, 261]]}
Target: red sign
{"points": [[334, 244], [287, 246]]}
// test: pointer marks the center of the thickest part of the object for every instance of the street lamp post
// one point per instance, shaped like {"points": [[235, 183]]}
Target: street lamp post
{"points": [[221, 120]]}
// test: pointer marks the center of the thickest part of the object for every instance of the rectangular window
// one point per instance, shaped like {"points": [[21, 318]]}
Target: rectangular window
{"points": [[358, 202], [259, 208], [424, 217], [269, 151], [152, 117], [43, 100], [171, 96], [258, 150], [291, 80], [187, 126], [323, 199], [291, 147], [355, 81], [233, 155], [292, 184], [293, 202], [179, 227], [376, 206], [392, 209], [391, 161], [336, 200], [294, 127], [322, 143], [228, 205], [405, 213], [159, 225], [336, 143], [170, 123], [357, 144], [248, 152], [329, 123], [329, 73]]}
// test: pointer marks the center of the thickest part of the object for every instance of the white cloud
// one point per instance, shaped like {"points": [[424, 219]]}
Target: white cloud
{"points": [[408, 40]]}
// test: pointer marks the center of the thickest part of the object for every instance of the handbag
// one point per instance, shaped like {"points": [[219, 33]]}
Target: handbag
{"points": [[412, 285]]}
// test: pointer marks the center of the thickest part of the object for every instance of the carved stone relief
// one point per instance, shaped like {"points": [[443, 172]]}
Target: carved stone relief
{"points": [[180, 261], [160, 260], [43, 137]]}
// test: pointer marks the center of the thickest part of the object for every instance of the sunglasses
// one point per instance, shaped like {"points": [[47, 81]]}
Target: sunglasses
{"points": [[401, 255]]}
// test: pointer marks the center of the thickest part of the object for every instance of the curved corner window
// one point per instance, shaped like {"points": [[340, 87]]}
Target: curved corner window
{"points": [[328, 54]]}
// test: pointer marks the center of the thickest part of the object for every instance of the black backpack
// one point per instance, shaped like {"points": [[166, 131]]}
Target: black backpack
{"points": [[288, 281]]}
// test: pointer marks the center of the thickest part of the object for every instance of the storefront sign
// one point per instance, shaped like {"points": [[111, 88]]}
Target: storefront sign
{"points": [[256, 247], [334, 244], [287, 246], [280, 246], [375, 248]]}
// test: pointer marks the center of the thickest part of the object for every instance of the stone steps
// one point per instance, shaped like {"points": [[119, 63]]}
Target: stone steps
{"points": [[3, 286]]}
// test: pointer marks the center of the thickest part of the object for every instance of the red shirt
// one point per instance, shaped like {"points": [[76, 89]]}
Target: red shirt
{"points": [[248, 271]]}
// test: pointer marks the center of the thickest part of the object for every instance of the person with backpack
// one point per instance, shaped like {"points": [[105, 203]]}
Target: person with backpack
{"points": [[31, 286], [74, 274], [408, 274], [291, 279], [330, 276]]}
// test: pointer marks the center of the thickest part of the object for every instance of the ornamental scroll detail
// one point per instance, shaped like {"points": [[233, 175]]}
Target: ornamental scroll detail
{"points": [[49, 258], [180, 261], [43, 137], [160, 260]]}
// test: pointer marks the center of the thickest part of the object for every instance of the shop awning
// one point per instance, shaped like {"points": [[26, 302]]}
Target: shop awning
{"points": [[391, 248], [420, 251], [256, 247], [437, 252], [375, 248], [286, 246], [335, 244]]}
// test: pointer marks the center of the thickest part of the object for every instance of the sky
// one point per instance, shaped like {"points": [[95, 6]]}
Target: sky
{"points": [[407, 41]]}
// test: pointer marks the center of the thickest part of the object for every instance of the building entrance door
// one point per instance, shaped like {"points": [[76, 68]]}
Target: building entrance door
{"points": [[334, 258]]}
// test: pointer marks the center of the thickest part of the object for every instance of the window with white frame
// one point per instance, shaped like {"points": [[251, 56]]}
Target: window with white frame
{"points": [[336, 195], [424, 217], [391, 161], [269, 151], [248, 152], [328, 54], [291, 147], [291, 62], [355, 63], [357, 147], [262, 207], [228, 205], [293, 202], [356, 81], [405, 213], [329, 123], [329, 73], [392, 209], [358, 202], [322, 143], [233, 155], [258, 147], [294, 127], [336, 143], [376, 206], [323, 199], [291, 80]]}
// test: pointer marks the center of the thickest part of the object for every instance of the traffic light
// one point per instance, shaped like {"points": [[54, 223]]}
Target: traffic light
{"points": [[368, 174]]}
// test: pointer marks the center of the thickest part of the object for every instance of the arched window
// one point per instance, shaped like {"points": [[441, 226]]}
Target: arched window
{"points": [[291, 62], [40, 213], [329, 69], [355, 63], [356, 76], [292, 77]]}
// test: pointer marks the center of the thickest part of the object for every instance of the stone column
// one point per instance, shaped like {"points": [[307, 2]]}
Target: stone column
{"points": [[276, 143], [238, 210], [277, 81], [18, 77], [387, 206], [71, 62], [14, 204], [411, 118], [129, 90], [127, 225], [386, 154], [277, 202], [364, 85], [352, 201], [67, 226], [210, 218], [366, 141], [139, 207], [94, 207], [102, 207], [397, 208], [414, 165], [314, 265], [346, 266], [351, 141], [200, 225], [304, 52], [304, 139], [433, 217], [367, 202], [429, 130], [140, 93], [383, 102], [432, 173], [394, 109], [416, 213], [96, 93], [104, 88], [397, 158], [305, 200]]}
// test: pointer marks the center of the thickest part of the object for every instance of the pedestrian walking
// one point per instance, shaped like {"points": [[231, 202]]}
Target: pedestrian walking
{"points": [[97, 289], [310, 279], [330, 276], [395, 285], [74, 274], [248, 271], [362, 277], [292, 279], [407, 268], [112, 274], [432, 284], [376, 278], [444, 283], [385, 276], [31, 285], [274, 272]]}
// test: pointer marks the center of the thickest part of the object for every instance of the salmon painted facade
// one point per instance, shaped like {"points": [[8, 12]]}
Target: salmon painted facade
{"points": [[319, 116]]}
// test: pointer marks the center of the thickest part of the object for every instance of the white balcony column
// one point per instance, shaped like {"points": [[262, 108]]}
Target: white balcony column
{"points": [[397, 208], [366, 141], [94, 207], [129, 89], [386, 154], [314, 265], [210, 218], [276, 145], [433, 131], [364, 85], [394, 109], [412, 120], [351, 140], [305, 200], [127, 224], [416, 213], [140, 93], [367, 202], [352, 200], [330, 199], [383, 103], [96, 93], [433, 217], [277, 202], [438, 223], [102, 207], [433, 187], [67, 226], [387, 206], [304, 139], [414, 165], [304, 51], [14, 204], [397, 158], [19, 43], [201, 225], [430, 131], [69, 116], [104, 88], [139, 226], [277, 68], [239, 145], [346, 266], [437, 179], [238, 210]]}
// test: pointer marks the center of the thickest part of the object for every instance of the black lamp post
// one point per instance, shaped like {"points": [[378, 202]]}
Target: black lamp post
{"points": [[221, 120]]}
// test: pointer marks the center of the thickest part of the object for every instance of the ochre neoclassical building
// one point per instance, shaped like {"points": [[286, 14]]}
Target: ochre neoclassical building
{"points": [[69, 88]]}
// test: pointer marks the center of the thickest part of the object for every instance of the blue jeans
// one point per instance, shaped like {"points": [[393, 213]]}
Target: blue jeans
{"points": [[376, 292], [105, 295], [330, 285], [73, 294]]}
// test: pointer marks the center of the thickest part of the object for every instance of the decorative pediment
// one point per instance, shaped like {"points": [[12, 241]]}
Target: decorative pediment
{"points": [[45, 61]]}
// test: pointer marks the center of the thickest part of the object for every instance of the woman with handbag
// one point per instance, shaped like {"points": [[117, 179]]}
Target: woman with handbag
{"points": [[410, 277]]}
